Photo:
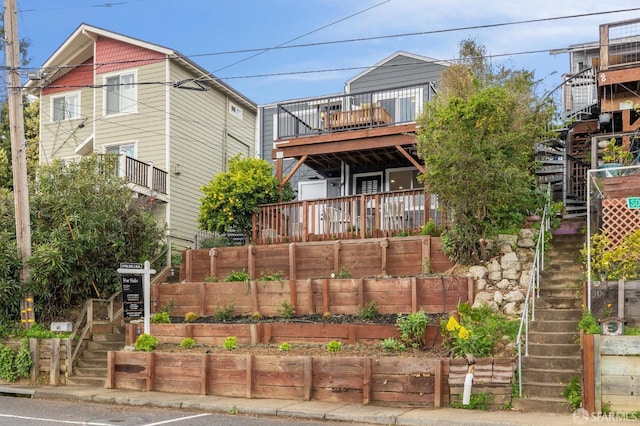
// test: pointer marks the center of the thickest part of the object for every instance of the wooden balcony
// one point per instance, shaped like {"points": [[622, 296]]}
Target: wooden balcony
{"points": [[143, 178], [357, 216]]}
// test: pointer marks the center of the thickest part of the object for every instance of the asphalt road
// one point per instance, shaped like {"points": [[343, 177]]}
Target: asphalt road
{"points": [[24, 411]]}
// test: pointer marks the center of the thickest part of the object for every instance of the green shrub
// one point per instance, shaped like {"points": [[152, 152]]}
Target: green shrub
{"points": [[429, 228], [588, 323], [632, 331], [412, 328], [23, 359], [146, 343], [286, 310], [369, 312], [238, 276], [573, 393], [334, 346], [211, 279], [342, 273], [161, 318], [37, 331], [392, 345], [8, 371], [224, 313], [230, 343], [191, 317], [284, 347], [188, 343], [274, 276]]}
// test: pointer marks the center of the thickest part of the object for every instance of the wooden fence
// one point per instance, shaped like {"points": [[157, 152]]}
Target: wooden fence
{"points": [[400, 381], [265, 333], [611, 368], [616, 298], [397, 257], [333, 296]]}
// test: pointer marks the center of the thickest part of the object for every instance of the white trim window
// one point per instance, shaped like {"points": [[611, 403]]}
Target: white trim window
{"points": [[120, 95], [235, 110], [65, 107]]}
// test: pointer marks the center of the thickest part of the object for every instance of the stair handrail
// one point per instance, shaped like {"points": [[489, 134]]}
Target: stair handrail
{"points": [[533, 290]]}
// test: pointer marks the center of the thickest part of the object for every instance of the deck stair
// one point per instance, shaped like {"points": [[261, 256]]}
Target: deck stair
{"points": [[554, 353]]}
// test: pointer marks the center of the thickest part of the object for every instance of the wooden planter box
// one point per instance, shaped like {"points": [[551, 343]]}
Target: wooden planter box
{"points": [[398, 381], [275, 333]]}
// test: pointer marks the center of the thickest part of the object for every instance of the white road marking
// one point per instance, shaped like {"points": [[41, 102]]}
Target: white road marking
{"points": [[68, 422], [164, 422]]}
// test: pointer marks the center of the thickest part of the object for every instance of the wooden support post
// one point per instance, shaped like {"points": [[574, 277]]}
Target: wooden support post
{"points": [[437, 384], [414, 294], [267, 331], [307, 367], [253, 330], [293, 294], [204, 377], [470, 290], [305, 221], [213, 263], [597, 374], [351, 334], [111, 370], [588, 372], [337, 247], [251, 260], [34, 347], [188, 266], [69, 360], [203, 299], [361, 293], [155, 293], [54, 364], [254, 296], [363, 216], [384, 244], [426, 255], [249, 369], [151, 370], [325, 296], [366, 381], [292, 262], [620, 298], [311, 306], [188, 330]]}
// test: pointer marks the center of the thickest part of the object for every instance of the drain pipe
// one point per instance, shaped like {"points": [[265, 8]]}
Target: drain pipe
{"points": [[468, 380]]}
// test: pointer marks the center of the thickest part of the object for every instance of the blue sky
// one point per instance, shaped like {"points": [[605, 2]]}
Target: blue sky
{"points": [[206, 30]]}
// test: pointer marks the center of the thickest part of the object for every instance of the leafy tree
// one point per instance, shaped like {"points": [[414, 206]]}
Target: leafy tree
{"points": [[84, 223], [477, 141], [31, 114], [231, 198]]}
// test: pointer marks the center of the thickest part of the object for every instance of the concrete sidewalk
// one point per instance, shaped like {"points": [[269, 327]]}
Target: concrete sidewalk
{"points": [[313, 410]]}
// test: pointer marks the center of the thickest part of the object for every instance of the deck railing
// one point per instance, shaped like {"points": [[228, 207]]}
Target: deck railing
{"points": [[352, 111], [354, 216]]}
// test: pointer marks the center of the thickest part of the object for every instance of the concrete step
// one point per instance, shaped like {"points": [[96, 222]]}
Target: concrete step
{"points": [[559, 291], [89, 354], [109, 338], [542, 405], [91, 371], [541, 375], [561, 350], [543, 390], [105, 346], [551, 362], [553, 337], [558, 314], [91, 362], [559, 303], [98, 382], [541, 326]]}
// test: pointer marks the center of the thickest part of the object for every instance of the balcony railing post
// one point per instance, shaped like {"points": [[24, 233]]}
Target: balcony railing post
{"points": [[150, 176]]}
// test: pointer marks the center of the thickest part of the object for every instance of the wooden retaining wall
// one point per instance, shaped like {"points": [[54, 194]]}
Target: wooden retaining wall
{"points": [[265, 333], [611, 370], [334, 296], [398, 381], [51, 357], [397, 257]]}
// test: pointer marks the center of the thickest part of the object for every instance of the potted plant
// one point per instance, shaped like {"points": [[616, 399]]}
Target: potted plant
{"points": [[613, 156]]}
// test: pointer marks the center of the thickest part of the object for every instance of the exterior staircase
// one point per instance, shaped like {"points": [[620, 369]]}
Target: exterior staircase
{"points": [[90, 368], [554, 353]]}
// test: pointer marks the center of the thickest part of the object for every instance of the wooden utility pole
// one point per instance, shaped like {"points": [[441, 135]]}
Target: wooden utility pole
{"points": [[18, 152]]}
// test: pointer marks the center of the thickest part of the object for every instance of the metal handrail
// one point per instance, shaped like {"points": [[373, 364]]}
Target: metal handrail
{"points": [[533, 291]]}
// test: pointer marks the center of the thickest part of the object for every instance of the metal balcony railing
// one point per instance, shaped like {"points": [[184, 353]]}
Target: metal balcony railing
{"points": [[352, 111]]}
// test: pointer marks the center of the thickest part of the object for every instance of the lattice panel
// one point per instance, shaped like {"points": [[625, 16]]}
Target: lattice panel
{"points": [[618, 220]]}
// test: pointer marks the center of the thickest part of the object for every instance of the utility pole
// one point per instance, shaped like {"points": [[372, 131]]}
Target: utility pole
{"points": [[18, 153]]}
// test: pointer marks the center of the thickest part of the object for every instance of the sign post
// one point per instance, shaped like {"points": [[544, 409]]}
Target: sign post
{"points": [[131, 273]]}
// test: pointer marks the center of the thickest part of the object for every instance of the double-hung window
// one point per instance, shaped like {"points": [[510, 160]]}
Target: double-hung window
{"points": [[120, 93], [65, 107]]}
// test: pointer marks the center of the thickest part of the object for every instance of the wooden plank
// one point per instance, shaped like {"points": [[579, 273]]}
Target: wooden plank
{"points": [[337, 247], [307, 368], [111, 374], [254, 296], [597, 374], [366, 381], [615, 365], [620, 345], [203, 299], [624, 404], [325, 296], [204, 378], [414, 295], [437, 384], [54, 372], [34, 348], [588, 372], [621, 299], [213, 264], [620, 385], [292, 264], [310, 303], [151, 356], [384, 246], [249, 370]]}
